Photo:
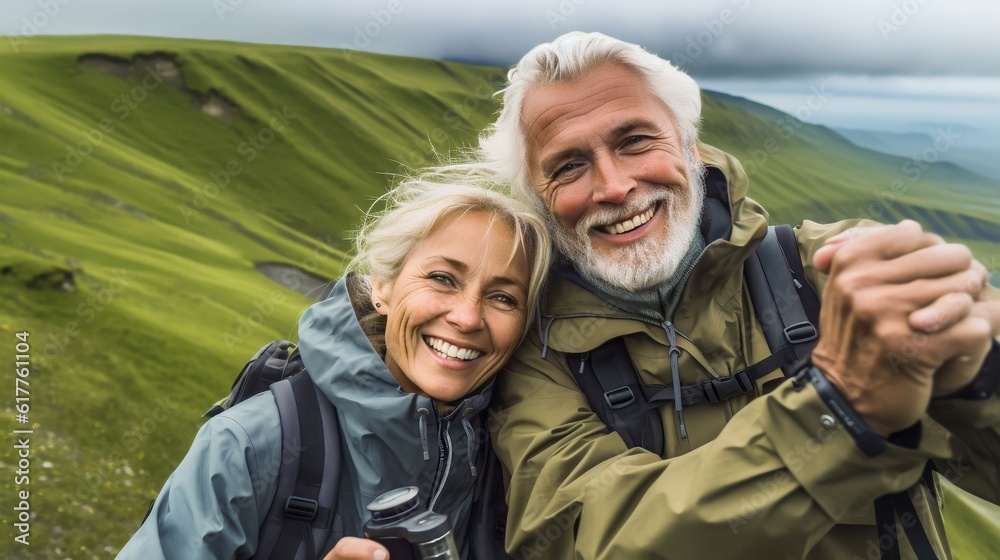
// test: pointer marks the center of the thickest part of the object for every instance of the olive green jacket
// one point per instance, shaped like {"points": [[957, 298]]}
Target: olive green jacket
{"points": [[757, 477]]}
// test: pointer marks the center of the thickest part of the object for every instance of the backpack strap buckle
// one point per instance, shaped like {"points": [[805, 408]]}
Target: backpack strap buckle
{"points": [[301, 509], [620, 397], [723, 388], [801, 332]]}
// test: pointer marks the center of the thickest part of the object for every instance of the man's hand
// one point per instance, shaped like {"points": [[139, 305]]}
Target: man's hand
{"points": [[354, 548], [959, 371], [887, 287]]}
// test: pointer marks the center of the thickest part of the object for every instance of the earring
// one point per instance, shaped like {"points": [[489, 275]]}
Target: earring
{"points": [[377, 305]]}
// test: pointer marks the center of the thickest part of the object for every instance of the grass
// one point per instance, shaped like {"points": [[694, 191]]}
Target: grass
{"points": [[159, 211]]}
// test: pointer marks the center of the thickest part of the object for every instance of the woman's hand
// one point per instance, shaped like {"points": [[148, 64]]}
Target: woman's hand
{"points": [[354, 548]]}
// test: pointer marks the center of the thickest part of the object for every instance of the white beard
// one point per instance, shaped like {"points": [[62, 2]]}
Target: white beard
{"points": [[649, 261]]}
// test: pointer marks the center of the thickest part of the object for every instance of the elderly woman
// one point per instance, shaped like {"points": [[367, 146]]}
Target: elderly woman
{"points": [[439, 295]]}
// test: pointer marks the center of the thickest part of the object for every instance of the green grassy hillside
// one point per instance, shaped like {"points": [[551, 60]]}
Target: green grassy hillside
{"points": [[144, 180], [158, 212]]}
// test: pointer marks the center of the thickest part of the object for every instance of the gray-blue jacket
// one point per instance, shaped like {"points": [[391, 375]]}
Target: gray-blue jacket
{"points": [[213, 504]]}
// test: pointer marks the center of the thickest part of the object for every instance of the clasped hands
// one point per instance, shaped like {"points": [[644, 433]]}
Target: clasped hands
{"points": [[905, 317]]}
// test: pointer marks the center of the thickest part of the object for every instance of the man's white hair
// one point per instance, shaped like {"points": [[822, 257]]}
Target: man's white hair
{"points": [[503, 148]]}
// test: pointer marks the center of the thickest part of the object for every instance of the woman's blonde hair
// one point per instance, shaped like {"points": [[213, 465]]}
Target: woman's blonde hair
{"points": [[416, 206]]}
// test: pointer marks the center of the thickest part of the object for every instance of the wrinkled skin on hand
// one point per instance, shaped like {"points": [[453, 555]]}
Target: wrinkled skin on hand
{"points": [[905, 317]]}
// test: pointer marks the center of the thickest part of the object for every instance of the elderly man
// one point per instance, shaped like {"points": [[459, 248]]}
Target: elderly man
{"points": [[654, 229]]}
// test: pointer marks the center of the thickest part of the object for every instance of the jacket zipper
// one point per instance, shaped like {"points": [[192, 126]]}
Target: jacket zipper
{"points": [[444, 457]]}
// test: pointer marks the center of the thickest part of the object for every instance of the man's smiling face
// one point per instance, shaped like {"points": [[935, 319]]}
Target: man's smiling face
{"points": [[606, 158]]}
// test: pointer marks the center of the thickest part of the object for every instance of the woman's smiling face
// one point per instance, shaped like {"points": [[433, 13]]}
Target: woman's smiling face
{"points": [[456, 312]]}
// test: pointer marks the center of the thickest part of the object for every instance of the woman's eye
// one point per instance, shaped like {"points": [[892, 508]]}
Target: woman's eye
{"points": [[442, 278], [505, 300]]}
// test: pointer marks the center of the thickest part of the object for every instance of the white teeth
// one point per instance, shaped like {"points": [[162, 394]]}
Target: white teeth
{"points": [[631, 223], [448, 350]]}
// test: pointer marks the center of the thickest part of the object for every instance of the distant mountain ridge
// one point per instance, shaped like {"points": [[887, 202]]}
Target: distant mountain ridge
{"points": [[922, 145], [144, 201], [801, 170]]}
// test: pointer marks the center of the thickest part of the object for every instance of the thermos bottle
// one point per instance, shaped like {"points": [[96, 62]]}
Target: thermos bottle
{"points": [[408, 529]]}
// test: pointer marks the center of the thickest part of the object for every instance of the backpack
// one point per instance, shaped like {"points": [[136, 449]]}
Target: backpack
{"points": [[299, 522], [788, 310]]}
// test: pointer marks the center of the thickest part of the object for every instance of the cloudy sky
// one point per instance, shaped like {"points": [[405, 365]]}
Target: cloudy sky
{"points": [[880, 64]]}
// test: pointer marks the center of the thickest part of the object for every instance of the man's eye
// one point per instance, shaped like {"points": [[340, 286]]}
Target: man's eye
{"points": [[632, 140], [568, 168]]}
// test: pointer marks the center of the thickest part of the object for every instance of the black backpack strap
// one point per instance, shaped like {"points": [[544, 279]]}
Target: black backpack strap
{"points": [[915, 532], [299, 520], [616, 395], [785, 235], [886, 509], [786, 306], [888, 532]]}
